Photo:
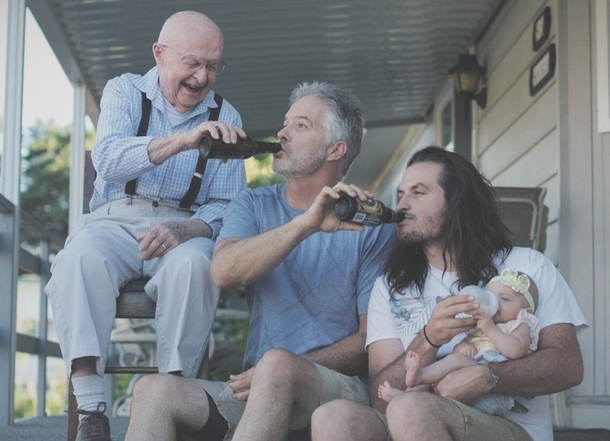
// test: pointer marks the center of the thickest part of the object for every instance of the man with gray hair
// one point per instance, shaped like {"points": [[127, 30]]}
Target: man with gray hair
{"points": [[308, 278]]}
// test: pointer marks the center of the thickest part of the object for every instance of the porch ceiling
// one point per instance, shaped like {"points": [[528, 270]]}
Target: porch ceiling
{"points": [[394, 54]]}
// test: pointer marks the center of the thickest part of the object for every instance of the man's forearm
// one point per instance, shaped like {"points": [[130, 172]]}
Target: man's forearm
{"points": [[161, 149], [425, 350], [556, 366], [347, 356], [394, 373], [195, 227], [243, 261]]}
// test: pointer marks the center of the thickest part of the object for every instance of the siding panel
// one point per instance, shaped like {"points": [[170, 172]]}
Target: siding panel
{"points": [[508, 81], [528, 130]]}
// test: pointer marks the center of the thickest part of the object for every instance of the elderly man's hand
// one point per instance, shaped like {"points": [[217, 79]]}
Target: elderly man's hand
{"points": [[165, 236], [161, 149]]}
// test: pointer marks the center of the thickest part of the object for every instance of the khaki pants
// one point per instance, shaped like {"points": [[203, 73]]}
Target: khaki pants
{"points": [[101, 255]]}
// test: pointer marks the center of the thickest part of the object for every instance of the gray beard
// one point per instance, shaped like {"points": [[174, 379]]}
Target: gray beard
{"points": [[289, 169]]}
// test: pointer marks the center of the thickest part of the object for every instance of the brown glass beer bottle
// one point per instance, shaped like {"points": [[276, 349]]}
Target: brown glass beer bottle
{"points": [[371, 212], [242, 149]]}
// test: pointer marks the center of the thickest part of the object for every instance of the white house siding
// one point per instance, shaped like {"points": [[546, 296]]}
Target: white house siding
{"points": [[549, 140], [418, 137], [516, 137], [592, 171]]}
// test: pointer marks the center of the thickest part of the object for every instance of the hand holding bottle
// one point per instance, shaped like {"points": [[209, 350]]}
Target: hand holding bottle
{"points": [[370, 212], [320, 215]]}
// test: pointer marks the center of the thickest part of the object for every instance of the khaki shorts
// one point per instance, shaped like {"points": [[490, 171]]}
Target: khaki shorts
{"points": [[482, 427], [384, 420], [334, 386]]}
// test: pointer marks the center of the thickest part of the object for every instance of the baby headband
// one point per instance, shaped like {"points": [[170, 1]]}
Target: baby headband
{"points": [[518, 282]]}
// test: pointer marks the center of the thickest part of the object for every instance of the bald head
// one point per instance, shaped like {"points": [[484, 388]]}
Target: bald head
{"points": [[188, 28], [186, 42]]}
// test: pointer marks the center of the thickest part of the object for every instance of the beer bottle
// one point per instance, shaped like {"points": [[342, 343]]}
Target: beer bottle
{"points": [[371, 212], [242, 149]]}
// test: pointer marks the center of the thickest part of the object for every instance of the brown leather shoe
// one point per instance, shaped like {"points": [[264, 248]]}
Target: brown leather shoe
{"points": [[94, 426]]}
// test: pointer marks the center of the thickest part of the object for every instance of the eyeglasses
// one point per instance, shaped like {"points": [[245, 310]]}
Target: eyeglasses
{"points": [[194, 63]]}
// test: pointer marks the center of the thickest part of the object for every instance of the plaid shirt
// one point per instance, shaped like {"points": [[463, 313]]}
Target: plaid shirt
{"points": [[119, 156]]}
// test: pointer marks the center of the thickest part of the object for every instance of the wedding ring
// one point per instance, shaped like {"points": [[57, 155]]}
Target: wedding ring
{"points": [[164, 247]]}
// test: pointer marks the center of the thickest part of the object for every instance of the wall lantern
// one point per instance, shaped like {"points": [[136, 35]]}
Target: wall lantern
{"points": [[467, 74]]}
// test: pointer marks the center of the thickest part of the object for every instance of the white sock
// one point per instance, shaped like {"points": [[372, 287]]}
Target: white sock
{"points": [[89, 392]]}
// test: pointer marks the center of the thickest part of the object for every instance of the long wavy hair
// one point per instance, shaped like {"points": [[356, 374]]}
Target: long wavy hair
{"points": [[473, 232]]}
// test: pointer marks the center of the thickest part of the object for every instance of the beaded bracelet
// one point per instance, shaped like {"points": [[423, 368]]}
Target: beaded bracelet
{"points": [[494, 378], [428, 340]]}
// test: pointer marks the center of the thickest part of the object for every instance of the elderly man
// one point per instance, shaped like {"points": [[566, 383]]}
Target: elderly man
{"points": [[155, 212]]}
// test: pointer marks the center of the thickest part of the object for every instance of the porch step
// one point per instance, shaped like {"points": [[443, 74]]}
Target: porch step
{"points": [[581, 435], [54, 429]]}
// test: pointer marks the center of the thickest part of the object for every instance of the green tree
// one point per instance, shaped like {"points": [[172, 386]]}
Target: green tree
{"points": [[258, 169], [259, 173], [46, 175]]}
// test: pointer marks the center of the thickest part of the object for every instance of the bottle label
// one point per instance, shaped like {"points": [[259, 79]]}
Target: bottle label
{"points": [[359, 217], [366, 219], [370, 212]]}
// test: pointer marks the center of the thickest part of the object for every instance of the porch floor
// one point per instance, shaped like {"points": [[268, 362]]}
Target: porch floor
{"points": [[54, 429]]}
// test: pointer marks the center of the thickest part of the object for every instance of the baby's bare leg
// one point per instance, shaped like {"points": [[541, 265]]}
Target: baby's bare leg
{"points": [[414, 371], [436, 371], [386, 392]]}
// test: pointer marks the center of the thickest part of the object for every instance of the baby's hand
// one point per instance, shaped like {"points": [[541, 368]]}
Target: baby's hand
{"points": [[484, 323], [467, 350]]}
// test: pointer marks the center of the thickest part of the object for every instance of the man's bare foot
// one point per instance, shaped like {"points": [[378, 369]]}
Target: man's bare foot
{"points": [[412, 362], [387, 392]]}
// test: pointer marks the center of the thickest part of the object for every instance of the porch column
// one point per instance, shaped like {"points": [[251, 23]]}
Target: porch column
{"points": [[462, 124], [77, 164], [9, 204]]}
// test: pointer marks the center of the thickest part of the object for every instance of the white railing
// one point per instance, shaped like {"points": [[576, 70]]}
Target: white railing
{"points": [[15, 260]]}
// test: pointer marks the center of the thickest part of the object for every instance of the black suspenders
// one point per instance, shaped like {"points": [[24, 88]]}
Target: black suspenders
{"points": [[130, 187], [191, 194], [193, 190]]}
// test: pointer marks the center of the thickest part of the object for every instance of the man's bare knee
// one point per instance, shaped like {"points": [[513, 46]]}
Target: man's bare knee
{"points": [[152, 390], [411, 414], [161, 391], [341, 420], [279, 365], [172, 398], [325, 417], [294, 380], [409, 406]]}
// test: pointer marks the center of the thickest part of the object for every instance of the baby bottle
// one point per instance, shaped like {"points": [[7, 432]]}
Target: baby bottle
{"points": [[487, 300]]}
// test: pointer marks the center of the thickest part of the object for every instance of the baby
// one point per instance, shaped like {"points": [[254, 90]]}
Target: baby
{"points": [[510, 334]]}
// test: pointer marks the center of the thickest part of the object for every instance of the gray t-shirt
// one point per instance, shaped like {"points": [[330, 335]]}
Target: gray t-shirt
{"points": [[315, 296]]}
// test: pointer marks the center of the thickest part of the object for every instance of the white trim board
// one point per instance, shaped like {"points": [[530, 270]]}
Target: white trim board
{"points": [[603, 63]]}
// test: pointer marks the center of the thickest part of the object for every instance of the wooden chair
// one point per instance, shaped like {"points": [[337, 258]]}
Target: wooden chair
{"points": [[524, 213], [132, 303]]}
